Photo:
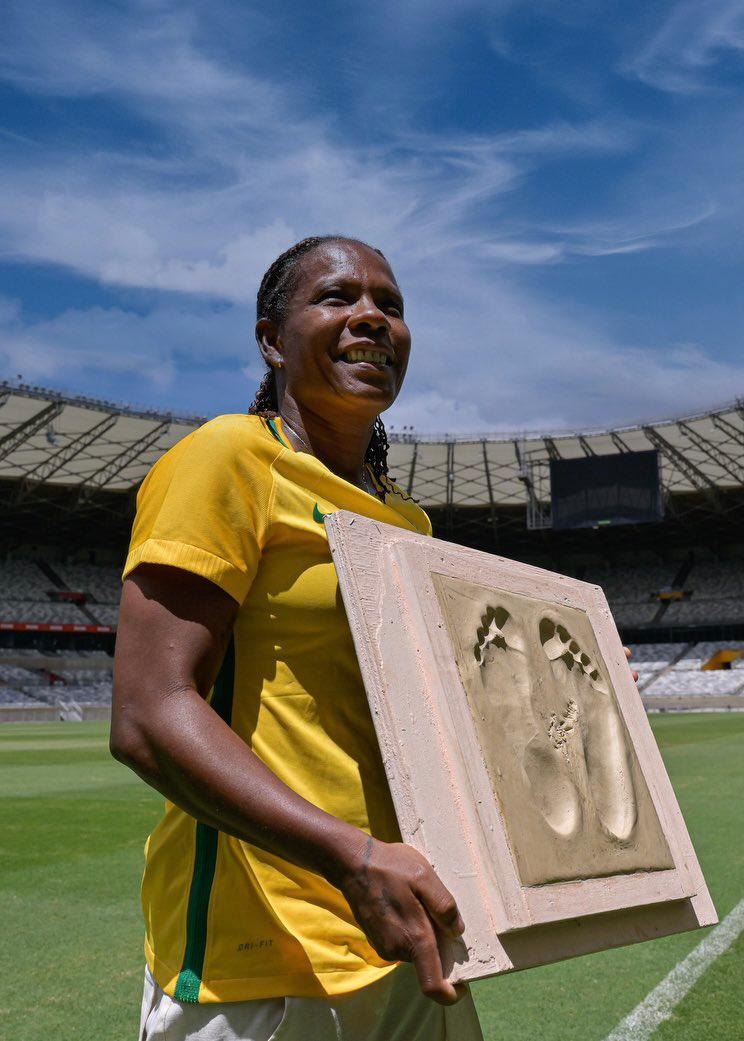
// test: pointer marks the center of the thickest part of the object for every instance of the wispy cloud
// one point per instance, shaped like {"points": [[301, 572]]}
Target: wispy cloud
{"points": [[198, 223], [146, 52], [516, 361], [119, 353], [682, 52], [238, 166], [633, 231]]}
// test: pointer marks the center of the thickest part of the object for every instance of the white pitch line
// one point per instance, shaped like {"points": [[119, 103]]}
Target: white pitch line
{"points": [[659, 1005]]}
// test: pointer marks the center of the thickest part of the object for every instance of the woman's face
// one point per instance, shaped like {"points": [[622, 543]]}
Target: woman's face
{"points": [[343, 344]]}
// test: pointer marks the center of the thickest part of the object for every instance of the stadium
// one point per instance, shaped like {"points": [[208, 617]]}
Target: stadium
{"points": [[669, 556], [70, 468]]}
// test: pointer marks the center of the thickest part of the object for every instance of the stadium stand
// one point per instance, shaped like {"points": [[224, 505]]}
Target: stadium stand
{"points": [[54, 677], [101, 583], [23, 580], [704, 610], [681, 683], [642, 613], [70, 467], [34, 611], [632, 585], [722, 581], [11, 697], [107, 614], [704, 651], [650, 655]]}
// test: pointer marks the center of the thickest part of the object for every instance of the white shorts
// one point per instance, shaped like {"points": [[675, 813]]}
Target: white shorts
{"points": [[392, 1009]]}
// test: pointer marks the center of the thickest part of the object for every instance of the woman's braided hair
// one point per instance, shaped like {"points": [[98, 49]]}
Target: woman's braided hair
{"points": [[276, 288]]}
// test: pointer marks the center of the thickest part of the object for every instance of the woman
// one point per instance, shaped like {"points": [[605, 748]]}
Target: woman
{"points": [[278, 897]]}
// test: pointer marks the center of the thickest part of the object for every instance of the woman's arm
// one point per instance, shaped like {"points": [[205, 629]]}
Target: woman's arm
{"points": [[173, 630]]}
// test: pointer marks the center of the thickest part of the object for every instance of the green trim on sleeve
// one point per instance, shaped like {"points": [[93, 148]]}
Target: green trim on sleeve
{"points": [[205, 859]]}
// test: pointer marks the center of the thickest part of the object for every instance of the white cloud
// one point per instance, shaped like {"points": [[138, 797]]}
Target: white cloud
{"points": [[247, 171], [130, 226], [645, 225], [244, 171], [490, 357], [433, 411], [505, 360], [514, 251], [141, 358], [145, 52], [682, 52]]}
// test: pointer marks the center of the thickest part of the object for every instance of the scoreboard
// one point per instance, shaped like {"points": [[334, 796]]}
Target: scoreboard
{"points": [[599, 490]]}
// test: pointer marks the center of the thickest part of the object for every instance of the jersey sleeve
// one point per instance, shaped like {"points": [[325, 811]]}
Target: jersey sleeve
{"points": [[204, 507]]}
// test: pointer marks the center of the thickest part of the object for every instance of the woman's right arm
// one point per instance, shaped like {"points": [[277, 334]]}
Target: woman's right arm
{"points": [[173, 630]]}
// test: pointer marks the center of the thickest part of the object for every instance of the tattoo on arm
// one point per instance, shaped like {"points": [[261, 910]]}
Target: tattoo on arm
{"points": [[381, 899]]}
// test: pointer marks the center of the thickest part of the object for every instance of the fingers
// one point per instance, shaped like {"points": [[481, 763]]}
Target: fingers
{"points": [[629, 655], [441, 908], [439, 903], [405, 909], [428, 966]]}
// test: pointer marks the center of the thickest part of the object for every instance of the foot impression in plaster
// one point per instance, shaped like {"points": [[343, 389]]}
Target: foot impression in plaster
{"points": [[577, 747], [501, 654], [601, 732]]}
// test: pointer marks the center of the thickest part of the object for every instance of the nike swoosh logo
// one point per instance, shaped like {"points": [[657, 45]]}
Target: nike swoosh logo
{"points": [[317, 515]]}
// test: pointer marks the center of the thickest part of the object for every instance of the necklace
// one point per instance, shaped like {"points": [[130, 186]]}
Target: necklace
{"points": [[363, 480]]}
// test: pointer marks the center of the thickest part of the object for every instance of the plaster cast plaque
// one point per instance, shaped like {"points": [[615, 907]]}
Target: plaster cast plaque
{"points": [[518, 752], [559, 759]]}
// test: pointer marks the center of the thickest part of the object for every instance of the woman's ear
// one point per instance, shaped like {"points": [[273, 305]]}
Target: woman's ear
{"points": [[267, 338]]}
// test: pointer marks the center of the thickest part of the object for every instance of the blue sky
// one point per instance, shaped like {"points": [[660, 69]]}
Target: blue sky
{"points": [[557, 184]]}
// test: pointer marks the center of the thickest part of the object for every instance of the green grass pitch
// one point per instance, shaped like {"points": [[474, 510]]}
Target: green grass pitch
{"points": [[73, 826]]}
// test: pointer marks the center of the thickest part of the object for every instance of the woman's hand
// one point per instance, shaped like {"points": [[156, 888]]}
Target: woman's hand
{"points": [[629, 655], [400, 903]]}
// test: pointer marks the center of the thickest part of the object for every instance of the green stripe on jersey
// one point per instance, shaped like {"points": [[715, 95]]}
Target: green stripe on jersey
{"points": [[205, 859], [271, 423]]}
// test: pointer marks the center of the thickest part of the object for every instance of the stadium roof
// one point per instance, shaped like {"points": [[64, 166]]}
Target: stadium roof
{"points": [[89, 445]]}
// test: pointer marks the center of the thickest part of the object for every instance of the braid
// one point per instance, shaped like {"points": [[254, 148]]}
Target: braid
{"points": [[265, 402], [271, 302], [277, 284], [276, 288], [376, 456]]}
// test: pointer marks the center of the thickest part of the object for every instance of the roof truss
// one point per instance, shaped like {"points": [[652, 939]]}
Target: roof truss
{"points": [[27, 429], [120, 462], [714, 452], [693, 473], [59, 459]]}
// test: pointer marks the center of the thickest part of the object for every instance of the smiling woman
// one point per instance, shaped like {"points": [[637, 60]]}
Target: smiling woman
{"points": [[333, 286], [278, 898]]}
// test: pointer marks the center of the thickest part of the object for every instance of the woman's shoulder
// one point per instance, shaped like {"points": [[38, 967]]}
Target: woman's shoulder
{"points": [[235, 442], [234, 427], [232, 434]]}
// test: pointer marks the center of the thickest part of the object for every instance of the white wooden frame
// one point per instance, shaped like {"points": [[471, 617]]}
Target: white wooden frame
{"points": [[420, 715]]}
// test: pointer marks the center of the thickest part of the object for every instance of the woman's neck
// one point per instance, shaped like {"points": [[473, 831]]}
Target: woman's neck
{"points": [[340, 443]]}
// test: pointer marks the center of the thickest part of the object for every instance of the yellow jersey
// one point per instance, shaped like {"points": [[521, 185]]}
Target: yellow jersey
{"points": [[226, 921]]}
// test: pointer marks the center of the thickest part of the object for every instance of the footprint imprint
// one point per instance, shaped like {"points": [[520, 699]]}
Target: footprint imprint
{"points": [[491, 632], [560, 729], [553, 742], [600, 730], [503, 666]]}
